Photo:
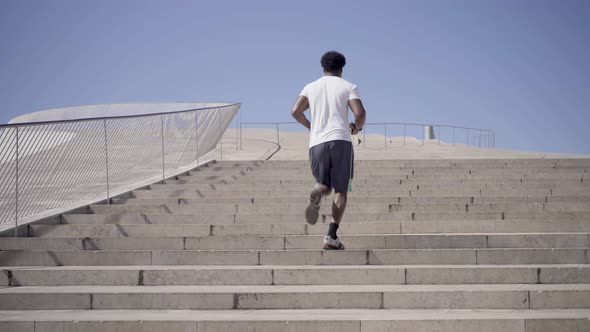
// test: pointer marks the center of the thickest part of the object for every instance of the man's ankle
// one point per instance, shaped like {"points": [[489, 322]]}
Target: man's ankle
{"points": [[332, 228]]}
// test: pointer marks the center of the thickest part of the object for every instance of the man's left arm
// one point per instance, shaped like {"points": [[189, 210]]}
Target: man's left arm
{"points": [[301, 105]]}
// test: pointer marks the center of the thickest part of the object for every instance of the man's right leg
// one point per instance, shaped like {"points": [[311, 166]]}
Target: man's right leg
{"points": [[320, 168], [325, 190], [312, 212], [341, 154]]}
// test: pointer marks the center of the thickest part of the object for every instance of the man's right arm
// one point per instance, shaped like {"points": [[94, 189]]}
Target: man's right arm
{"points": [[301, 105], [357, 108]]}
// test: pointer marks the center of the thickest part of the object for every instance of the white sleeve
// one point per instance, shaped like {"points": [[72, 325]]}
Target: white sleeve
{"points": [[354, 93], [304, 92]]}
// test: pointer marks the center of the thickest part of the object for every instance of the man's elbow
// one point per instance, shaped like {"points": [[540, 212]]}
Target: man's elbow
{"points": [[361, 114], [295, 113]]}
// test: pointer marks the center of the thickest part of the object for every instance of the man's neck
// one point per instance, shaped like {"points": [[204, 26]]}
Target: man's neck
{"points": [[327, 73]]}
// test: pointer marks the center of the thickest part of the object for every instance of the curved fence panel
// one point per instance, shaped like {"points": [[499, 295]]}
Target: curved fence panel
{"points": [[48, 166], [134, 147], [8, 174]]}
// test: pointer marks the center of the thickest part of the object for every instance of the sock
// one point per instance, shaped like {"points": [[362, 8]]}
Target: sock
{"points": [[332, 230]]}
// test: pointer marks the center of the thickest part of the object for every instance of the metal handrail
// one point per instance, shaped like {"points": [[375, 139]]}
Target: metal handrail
{"points": [[427, 124], [375, 123], [51, 165], [23, 124], [488, 135]]}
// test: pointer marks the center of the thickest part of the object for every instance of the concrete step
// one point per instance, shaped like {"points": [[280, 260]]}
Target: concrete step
{"points": [[453, 167], [493, 163], [496, 226], [392, 169], [426, 164], [295, 275], [483, 296], [509, 234], [548, 183], [277, 242], [355, 200], [312, 320], [568, 210], [264, 186], [176, 192], [169, 226], [568, 199], [412, 170], [400, 178], [410, 174], [196, 194], [483, 256], [157, 196], [416, 184], [298, 205], [183, 190], [135, 206], [305, 176], [361, 185], [484, 163]]}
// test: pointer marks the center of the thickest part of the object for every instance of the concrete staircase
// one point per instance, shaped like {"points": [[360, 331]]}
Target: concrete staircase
{"points": [[432, 245]]}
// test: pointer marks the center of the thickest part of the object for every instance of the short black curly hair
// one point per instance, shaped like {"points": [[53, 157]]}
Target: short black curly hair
{"points": [[333, 61]]}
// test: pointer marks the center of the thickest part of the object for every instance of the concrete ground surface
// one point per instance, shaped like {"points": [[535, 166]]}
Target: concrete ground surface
{"points": [[260, 143], [438, 237]]}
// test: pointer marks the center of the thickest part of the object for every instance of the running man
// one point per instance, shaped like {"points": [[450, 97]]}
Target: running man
{"points": [[330, 144]]}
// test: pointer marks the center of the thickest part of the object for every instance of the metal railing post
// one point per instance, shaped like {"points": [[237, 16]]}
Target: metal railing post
{"points": [[220, 138], [364, 138], [237, 116], [422, 135], [404, 134], [467, 136], [438, 135], [240, 135], [493, 140], [385, 134], [278, 140], [480, 139], [453, 136], [197, 134], [163, 151], [106, 160], [16, 193]]}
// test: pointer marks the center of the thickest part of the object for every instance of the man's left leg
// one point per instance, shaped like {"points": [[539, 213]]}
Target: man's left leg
{"points": [[338, 206], [331, 240]]}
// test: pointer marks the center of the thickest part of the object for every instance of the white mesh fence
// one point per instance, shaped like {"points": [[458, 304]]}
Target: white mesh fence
{"points": [[45, 166]]}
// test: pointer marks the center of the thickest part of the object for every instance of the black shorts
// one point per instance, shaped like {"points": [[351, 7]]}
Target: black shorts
{"points": [[332, 164]]}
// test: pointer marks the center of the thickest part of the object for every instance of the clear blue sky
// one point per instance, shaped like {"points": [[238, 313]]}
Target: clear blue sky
{"points": [[520, 67]]}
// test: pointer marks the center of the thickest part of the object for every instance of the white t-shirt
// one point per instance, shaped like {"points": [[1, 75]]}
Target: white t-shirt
{"points": [[328, 102]]}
